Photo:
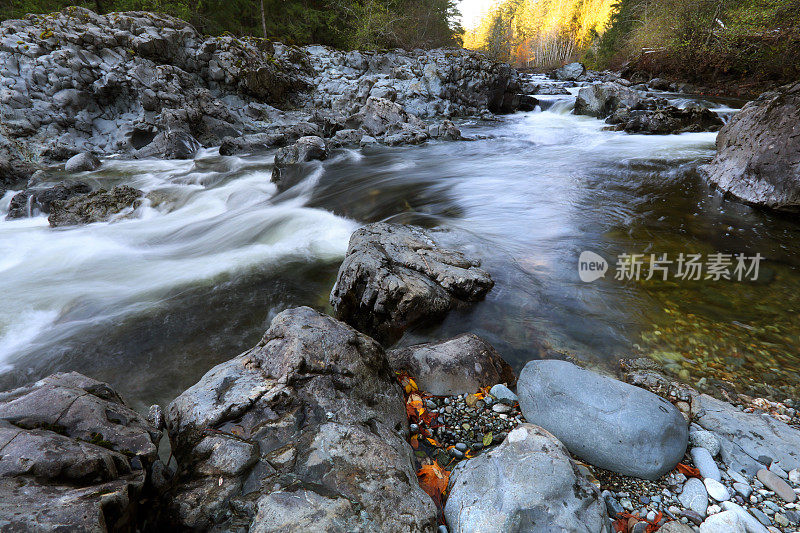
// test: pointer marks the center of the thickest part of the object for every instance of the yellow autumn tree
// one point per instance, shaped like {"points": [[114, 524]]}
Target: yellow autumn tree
{"points": [[540, 33]]}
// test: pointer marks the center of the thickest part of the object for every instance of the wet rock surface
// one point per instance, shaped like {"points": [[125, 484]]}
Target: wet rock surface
{"points": [[395, 277], [758, 151], [309, 148], [306, 431], [97, 206], [514, 487], [30, 201], [73, 455], [664, 120], [460, 365]]}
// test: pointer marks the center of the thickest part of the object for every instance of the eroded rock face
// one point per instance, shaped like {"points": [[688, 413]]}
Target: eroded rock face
{"points": [[395, 277], [528, 483], [304, 432], [758, 151], [97, 206], [73, 455], [460, 365], [620, 427], [27, 202]]}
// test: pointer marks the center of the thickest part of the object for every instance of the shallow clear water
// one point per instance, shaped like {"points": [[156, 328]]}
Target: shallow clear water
{"points": [[152, 302]]}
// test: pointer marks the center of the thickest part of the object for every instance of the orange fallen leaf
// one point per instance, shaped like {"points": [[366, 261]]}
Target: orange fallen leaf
{"points": [[688, 471], [434, 479], [414, 441]]}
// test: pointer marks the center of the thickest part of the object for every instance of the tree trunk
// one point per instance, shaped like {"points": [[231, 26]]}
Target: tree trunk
{"points": [[263, 20], [98, 7]]}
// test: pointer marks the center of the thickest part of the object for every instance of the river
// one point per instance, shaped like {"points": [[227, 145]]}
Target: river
{"points": [[150, 303]]}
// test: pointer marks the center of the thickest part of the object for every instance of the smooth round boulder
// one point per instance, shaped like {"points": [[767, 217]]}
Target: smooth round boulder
{"points": [[605, 422], [82, 162]]}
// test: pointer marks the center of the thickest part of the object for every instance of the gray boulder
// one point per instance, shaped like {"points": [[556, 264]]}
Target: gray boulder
{"points": [[607, 423], [27, 202], [380, 116], [285, 174], [460, 365], [247, 144], [528, 483], [570, 72], [97, 206], [395, 277], [724, 522], [602, 99], [665, 120], [73, 456], [758, 151], [172, 144], [744, 437], [305, 432], [82, 162]]}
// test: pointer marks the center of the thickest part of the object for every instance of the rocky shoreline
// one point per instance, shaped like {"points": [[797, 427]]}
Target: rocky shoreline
{"points": [[318, 428]]}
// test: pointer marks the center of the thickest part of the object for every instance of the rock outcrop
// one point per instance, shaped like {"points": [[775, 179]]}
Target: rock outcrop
{"points": [[305, 432], [460, 365], [758, 151], [528, 483], [605, 422], [395, 277], [72, 456], [97, 206]]}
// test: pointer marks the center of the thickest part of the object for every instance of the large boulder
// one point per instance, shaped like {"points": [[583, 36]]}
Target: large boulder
{"points": [[285, 173], [172, 144], [665, 120], [27, 202], [74, 457], [528, 483], [257, 142], [97, 206], [382, 118], [305, 432], [395, 277], [744, 437], [82, 162], [570, 72], [605, 422], [602, 99], [758, 151], [460, 365]]}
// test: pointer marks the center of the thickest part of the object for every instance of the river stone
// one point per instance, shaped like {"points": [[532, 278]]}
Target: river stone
{"points": [[460, 365], [744, 437], [675, 527], [774, 483], [602, 99], [743, 489], [694, 496], [705, 439], [307, 431], [73, 456], [758, 151], [395, 277], [621, 428], [705, 464], [716, 490], [751, 524], [528, 483], [97, 206], [503, 393], [29, 201], [82, 162], [570, 72], [308, 148], [724, 522]]}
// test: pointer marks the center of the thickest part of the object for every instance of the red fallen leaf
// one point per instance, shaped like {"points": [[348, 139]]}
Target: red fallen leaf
{"points": [[688, 471], [414, 441]]}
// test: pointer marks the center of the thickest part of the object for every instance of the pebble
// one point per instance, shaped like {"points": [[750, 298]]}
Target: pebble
{"points": [[651, 516], [461, 447], [753, 525], [716, 490], [692, 516], [794, 476], [501, 408], [613, 507], [775, 483], [737, 477], [760, 516], [743, 489], [781, 520], [780, 472], [727, 522], [458, 454], [503, 394], [705, 464], [442, 529], [694, 495], [705, 439]]}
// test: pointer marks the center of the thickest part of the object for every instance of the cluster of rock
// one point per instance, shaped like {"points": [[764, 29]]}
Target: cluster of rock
{"points": [[631, 110]]}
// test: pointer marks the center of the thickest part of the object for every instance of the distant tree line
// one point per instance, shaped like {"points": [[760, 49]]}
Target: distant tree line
{"points": [[347, 24]]}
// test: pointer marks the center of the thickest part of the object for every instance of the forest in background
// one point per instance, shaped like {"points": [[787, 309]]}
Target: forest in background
{"points": [[700, 40], [346, 24]]}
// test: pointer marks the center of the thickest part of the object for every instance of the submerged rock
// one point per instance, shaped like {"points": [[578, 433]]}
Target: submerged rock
{"points": [[73, 455], [305, 432], [460, 365], [395, 277], [528, 483], [758, 151], [97, 206], [25, 203], [607, 423]]}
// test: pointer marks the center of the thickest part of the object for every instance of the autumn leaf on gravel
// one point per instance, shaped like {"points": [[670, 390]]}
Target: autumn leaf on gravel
{"points": [[688, 471], [407, 382]]}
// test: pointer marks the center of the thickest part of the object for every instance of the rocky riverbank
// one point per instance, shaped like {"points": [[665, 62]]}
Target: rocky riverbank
{"points": [[318, 428]]}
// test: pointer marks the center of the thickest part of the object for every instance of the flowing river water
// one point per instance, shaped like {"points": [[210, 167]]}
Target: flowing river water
{"points": [[150, 303]]}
